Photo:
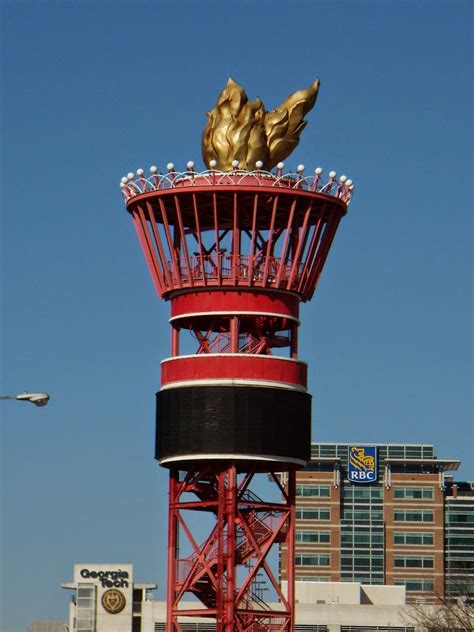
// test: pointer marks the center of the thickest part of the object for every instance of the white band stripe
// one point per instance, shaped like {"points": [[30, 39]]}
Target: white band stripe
{"points": [[234, 313], [239, 457], [234, 382], [233, 355]]}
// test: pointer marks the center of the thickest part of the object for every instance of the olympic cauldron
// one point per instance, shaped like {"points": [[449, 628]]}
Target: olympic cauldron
{"points": [[235, 251]]}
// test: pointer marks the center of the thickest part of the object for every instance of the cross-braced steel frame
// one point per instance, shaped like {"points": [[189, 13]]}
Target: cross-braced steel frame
{"points": [[223, 570]]}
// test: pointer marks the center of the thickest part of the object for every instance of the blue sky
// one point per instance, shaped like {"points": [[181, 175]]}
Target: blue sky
{"points": [[92, 90]]}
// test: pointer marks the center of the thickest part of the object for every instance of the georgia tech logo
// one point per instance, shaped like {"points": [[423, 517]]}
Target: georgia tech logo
{"points": [[362, 464], [108, 579], [113, 601]]}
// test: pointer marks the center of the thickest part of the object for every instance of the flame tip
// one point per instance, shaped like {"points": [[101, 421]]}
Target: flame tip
{"points": [[237, 126]]}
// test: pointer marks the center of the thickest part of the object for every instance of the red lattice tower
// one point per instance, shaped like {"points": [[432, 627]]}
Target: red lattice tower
{"points": [[234, 253]]}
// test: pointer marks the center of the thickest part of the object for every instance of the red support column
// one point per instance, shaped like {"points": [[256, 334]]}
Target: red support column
{"points": [[290, 541], [234, 334], [221, 623], [172, 551], [231, 507], [175, 341]]}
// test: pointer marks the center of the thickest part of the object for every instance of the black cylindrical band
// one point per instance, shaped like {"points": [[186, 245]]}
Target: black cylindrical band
{"points": [[233, 422]]}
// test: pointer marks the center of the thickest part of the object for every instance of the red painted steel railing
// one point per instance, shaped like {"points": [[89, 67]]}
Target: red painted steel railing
{"points": [[224, 269], [271, 239]]}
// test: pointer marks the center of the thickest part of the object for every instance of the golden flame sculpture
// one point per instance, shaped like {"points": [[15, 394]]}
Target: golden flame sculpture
{"points": [[241, 130]]}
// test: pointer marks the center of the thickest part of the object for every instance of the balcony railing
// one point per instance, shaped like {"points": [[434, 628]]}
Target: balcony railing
{"points": [[235, 269], [137, 183]]}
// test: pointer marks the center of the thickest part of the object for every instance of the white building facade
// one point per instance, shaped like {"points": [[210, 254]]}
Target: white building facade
{"points": [[106, 599]]}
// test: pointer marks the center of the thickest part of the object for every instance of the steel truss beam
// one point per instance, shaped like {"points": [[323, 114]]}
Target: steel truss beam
{"points": [[224, 570]]}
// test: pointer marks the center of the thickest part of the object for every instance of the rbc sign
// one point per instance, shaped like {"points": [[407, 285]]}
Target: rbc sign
{"points": [[362, 464]]}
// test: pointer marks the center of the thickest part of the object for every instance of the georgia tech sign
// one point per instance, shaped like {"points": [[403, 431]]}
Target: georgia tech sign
{"points": [[113, 601], [108, 579], [362, 464]]}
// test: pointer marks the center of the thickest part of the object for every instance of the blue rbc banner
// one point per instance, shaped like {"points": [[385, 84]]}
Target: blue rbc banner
{"points": [[362, 464]]}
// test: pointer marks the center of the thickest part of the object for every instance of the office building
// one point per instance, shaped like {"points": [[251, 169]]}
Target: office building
{"points": [[459, 538], [384, 514]]}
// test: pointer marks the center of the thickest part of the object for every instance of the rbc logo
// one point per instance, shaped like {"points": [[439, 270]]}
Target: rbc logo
{"points": [[362, 464]]}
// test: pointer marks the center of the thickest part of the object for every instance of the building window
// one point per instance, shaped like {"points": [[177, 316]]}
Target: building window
{"points": [[312, 578], [460, 517], [403, 537], [460, 539], [361, 562], [460, 586], [137, 600], [322, 491], [368, 538], [362, 515], [413, 562], [412, 515], [357, 493], [313, 513], [369, 577], [306, 559], [367, 492], [413, 493], [85, 608], [415, 584], [373, 492], [459, 561], [313, 537]]}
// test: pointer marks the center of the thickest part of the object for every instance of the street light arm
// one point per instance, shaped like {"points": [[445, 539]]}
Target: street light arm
{"points": [[38, 399]]}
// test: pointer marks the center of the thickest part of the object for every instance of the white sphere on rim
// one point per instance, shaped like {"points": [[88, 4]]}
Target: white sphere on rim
{"points": [[235, 163], [140, 172], [212, 163], [300, 168], [342, 179], [130, 175], [348, 183], [280, 165], [154, 169], [190, 165], [122, 185], [170, 166], [318, 171], [259, 164], [124, 180], [332, 174]]}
